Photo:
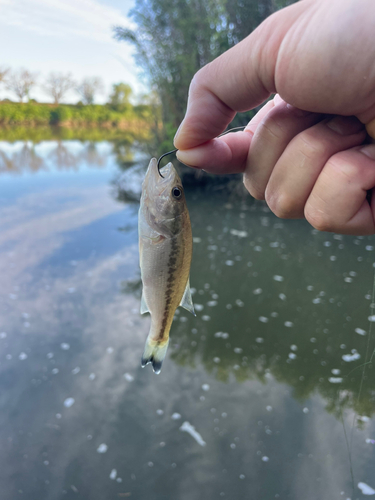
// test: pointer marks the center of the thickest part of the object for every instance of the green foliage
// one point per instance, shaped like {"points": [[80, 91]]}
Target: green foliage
{"points": [[34, 114], [119, 100], [175, 38]]}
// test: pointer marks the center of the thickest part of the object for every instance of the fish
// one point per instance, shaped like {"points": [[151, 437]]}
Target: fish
{"points": [[165, 252]]}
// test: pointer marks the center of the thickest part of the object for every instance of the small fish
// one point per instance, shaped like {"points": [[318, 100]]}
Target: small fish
{"points": [[165, 248]]}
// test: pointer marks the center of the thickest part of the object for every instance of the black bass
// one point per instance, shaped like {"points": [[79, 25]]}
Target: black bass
{"points": [[165, 248]]}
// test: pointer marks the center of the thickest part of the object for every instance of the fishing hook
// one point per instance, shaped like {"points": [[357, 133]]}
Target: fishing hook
{"points": [[175, 150]]}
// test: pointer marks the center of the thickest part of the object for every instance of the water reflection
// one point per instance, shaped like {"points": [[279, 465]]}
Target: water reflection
{"points": [[264, 373]]}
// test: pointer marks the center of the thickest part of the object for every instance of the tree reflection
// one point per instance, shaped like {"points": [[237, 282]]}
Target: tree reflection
{"points": [[277, 300]]}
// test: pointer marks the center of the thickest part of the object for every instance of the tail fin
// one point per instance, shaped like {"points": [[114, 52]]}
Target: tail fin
{"points": [[154, 353]]}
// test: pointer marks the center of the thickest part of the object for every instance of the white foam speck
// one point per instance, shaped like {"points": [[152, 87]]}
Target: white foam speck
{"points": [[119, 480], [263, 319], [372, 318], [92, 376], [3, 335], [233, 446], [242, 476], [238, 350], [258, 248], [366, 489], [159, 412], [369, 248], [293, 347], [22, 356], [360, 331], [50, 355], [316, 301], [55, 371], [205, 387], [69, 402], [221, 335], [278, 278], [128, 377], [335, 371], [269, 408], [370, 441], [76, 370], [239, 303], [216, 360], [176, 416], [305, 410], [102, 448], [71, 289], [335, 380], [229, 263], [257, 291], [364, 418], [265, 459], [259, 340], [109, 350], [351, 357], [198, 307], [292, 355], [197, 240], [240, 234], [190, 429], [206, 318], [282, 296], [64, 346], [289, 324], [113, 474], [212, 303]]}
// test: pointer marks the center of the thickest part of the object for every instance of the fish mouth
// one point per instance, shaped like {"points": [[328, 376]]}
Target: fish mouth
{"points": [[154, 183]]}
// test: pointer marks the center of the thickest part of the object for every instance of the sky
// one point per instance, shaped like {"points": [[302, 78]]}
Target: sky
{"points": [[68, 36]]}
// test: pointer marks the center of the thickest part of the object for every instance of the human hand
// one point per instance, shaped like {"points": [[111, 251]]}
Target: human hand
{"points": [[304, 151]]}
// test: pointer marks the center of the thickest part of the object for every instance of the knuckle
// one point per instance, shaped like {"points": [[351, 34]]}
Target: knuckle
{"points": [[282, 205], [311, 148], [255, 191], [319, 219]]}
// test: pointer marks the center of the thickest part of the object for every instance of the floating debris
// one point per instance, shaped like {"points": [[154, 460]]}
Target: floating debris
{"points": [[102, 448], [64, 346], [366, 489], [69, 402], [278, 278], [22, 356], [113, 474], [190, 429], [360, 331], [176, 416], [205, 387], [128, 377], [351, 357], [240, 234], [335, 380]]}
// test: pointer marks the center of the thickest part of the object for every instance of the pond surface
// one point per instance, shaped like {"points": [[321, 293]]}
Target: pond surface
{"points": [[266, 394]]}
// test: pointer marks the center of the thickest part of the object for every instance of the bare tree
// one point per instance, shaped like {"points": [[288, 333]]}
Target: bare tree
{"points": [[57, 85], [88, 88], [21, 82], [3, 74]]}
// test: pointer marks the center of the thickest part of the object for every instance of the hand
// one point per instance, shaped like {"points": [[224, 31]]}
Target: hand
{"points": [[304, 151]]}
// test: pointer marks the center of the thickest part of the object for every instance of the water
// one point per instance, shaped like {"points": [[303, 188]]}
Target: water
{"points": [[256, 392]]}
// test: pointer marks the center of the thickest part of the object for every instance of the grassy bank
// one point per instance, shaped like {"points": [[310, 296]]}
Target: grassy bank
{"points": [[132, 118]]}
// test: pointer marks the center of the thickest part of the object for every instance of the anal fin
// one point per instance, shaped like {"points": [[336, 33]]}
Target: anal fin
{"points": [[144, 307], [187, 301]]}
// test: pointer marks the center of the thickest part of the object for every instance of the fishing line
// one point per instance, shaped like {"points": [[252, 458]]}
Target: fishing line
{"points": [[175, 150]]}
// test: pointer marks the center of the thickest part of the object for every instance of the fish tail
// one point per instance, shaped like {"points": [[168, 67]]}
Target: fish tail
{"points": [[154, 353]]}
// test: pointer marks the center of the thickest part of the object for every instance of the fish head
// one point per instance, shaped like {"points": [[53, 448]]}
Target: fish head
{"points": [[164, 196]]}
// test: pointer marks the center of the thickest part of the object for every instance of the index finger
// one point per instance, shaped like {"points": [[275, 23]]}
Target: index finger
{"points": [[238, 80]]}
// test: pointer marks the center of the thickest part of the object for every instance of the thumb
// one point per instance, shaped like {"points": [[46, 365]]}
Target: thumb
{"points": [[238, 80]]}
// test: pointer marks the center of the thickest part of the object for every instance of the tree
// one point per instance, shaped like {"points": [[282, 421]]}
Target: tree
{"points": [[120, 96], [88, 88], [57, 85], [21, 82], [3, 74], [175, 38]]}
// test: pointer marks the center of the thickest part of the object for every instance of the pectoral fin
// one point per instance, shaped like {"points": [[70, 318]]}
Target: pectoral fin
{"points": [[144, 308], [187, 301]]}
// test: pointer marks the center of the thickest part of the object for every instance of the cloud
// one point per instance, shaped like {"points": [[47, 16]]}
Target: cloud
{"points": [[64, 18]]}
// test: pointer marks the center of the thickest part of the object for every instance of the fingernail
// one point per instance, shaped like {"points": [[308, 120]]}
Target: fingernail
{"points": [[345, 125], [369, 151], [300, 113]]}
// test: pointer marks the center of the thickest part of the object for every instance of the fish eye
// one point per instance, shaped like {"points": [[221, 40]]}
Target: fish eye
{"points": [[177, 192]]}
